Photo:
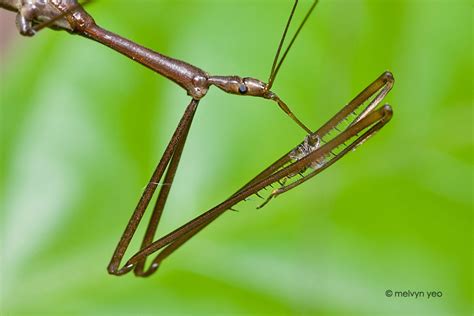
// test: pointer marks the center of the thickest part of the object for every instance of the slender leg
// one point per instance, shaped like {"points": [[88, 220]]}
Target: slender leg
{"points": [[380, 87], [383, 84], [177, 138], [372, 120], [369, 121], [179, 241], [161, 201], [377, 119]]}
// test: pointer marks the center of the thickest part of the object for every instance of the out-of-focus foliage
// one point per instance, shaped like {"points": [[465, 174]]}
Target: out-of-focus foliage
{"points": [[82, 128]]}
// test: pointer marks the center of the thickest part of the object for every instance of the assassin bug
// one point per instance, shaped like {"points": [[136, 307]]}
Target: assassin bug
{"points": [[349, 128]]}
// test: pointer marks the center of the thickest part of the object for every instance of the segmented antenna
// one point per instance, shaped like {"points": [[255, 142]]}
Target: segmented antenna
{"points": [[282, 40], [277, 64]]}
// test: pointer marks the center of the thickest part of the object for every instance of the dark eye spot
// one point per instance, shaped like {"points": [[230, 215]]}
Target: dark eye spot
{"points": [[242, 88]]}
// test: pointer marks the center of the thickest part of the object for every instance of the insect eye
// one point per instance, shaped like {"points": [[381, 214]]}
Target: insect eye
{"points": [[243, 88]]}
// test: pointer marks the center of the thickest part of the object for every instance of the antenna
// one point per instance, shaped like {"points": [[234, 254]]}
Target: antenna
{"points": [[276, 68]]}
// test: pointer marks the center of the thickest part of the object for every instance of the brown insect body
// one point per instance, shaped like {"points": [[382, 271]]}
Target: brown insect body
{"points": [[315, 153]]}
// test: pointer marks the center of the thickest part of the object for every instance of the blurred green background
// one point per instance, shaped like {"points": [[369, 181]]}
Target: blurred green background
{"points": [[82, 128]]}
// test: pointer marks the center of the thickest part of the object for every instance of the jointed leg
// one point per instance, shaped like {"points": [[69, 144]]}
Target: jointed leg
{"points": [[160, 202], [177, 139], [376, 120], [371, 119]]}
